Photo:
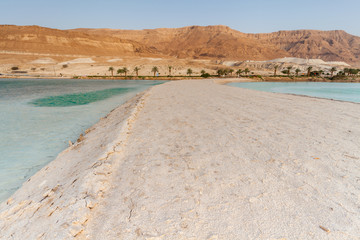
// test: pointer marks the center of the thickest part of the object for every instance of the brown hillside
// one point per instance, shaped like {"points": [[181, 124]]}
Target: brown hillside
{"points": [[211, 42], [223, 42], [327, 45], [216, 42], [34, 39]]}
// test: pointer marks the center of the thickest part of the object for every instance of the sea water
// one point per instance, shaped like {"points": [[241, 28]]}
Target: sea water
{"points": [[338, 91], [39, 117]]}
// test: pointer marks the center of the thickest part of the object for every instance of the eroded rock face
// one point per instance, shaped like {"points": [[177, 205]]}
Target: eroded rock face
{"points": [[35, 39]]}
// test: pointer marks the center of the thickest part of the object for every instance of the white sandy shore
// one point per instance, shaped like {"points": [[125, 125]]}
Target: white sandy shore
{"points": [[198, 160]]}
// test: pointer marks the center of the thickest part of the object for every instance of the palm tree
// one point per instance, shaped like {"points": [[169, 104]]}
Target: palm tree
{"points": [[189, 72], [353, 71], [231, 71], [220, 72], [246, 71], [275, 69], [238, 72], [136, 70], [169, 67], [111, 69], [125, 70], [288, 70], [332, 70], [120, 71], [346, 70], [155, 70], [297, 71], [309, 70]]}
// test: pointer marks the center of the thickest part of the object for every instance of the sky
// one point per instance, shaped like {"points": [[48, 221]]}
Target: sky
{"points": [[252, 16]]}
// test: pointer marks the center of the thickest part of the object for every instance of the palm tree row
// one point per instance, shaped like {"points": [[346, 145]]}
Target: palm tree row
{"points": [[310, 72], [246, 71], [351, 71], [123, 70], [229, 71]]}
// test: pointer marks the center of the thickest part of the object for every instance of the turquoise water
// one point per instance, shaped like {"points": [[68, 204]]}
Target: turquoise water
{"points": [[339, 91], [39, 117], [75, 99]]}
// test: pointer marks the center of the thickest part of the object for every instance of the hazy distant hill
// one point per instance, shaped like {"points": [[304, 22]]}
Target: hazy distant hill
{"points": [[211, 42]]}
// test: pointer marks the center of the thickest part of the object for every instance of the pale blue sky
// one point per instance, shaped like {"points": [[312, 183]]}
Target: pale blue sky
{"points": [[253, 16]]}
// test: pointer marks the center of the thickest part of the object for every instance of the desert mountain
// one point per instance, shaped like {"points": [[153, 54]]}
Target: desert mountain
{"points": [[215, 42], [195, 42], [327, 45], [224, 42], [35, 39]]}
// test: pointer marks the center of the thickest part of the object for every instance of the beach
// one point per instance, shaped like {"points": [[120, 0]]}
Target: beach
{"points": [[200, 160]]}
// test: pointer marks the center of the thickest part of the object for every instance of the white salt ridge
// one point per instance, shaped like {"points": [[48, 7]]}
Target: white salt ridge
{"points": [[197, 160], [302, 61], [115, 60], [79, 60], [43, 61]]}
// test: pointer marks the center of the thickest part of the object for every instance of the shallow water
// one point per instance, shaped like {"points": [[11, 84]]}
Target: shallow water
{"points": [[39, 117], [339, 91]]}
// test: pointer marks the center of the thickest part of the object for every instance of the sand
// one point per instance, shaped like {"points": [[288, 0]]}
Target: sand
{"points": [[199, 160]]}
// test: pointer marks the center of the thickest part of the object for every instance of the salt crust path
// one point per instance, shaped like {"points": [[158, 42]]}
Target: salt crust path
{"points": [[198, 160]]}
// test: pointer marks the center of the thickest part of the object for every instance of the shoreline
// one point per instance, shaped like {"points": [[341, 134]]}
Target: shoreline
{"points": [[84, 189], [76, 186], [178, 78]]}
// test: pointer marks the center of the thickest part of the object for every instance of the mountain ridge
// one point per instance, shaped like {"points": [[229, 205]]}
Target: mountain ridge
{"points": [[191, 42]]}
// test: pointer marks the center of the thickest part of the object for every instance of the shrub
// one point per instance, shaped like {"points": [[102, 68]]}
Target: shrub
{"points": [[205, 75], [65, 66], [15, 68]]}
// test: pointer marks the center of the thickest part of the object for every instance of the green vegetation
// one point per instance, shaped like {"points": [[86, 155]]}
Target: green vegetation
{"points": [[136, 70], [317, 75], [288, 70], [120, 71], [155, 70], [125, 71], [246, 71], [231, 71], [309, 70], [204, 74], [111, 69], [220, 72], [189, 72], [238, 72], [332, 70]]}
